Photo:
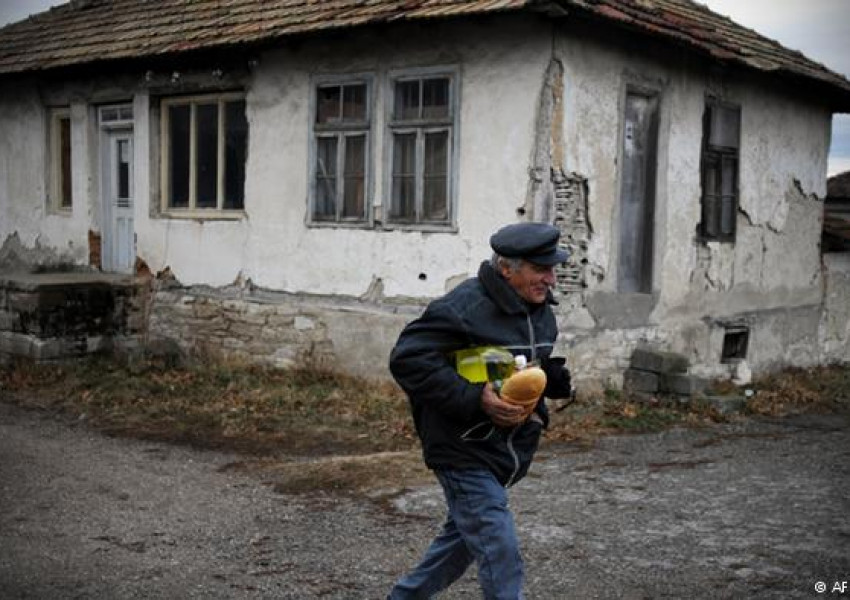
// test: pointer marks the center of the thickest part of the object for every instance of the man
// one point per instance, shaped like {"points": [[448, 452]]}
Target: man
{"points": [[477, 443]]}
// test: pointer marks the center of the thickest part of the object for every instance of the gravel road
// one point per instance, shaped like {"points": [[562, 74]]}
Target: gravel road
{"points": [[755, 509]]}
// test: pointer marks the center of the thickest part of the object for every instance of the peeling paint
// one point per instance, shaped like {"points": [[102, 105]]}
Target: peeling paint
{"points": [[375, 291], [16, 257], [547, 152]]}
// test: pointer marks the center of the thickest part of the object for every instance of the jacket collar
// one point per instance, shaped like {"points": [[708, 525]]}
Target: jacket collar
{"points": [[504, 295]]}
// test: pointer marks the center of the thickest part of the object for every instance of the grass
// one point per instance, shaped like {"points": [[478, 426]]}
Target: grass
{"points": [[314, 429], [230, 406]]}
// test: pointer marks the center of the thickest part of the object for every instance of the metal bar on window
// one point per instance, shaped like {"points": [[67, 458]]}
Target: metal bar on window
{"points": [[193, 155], [219, 195]]}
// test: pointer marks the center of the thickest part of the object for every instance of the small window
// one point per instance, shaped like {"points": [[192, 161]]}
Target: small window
{"points": [[60, 160], [204, 151], [421, 133], [735, 342], [720, 152], [341, 148]]}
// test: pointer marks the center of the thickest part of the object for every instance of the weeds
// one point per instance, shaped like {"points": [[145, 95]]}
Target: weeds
{"points": [[224, 405], [342, 433]]}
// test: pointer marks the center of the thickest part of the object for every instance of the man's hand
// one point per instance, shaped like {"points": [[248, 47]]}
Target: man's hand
{"points": [[503, 414]]}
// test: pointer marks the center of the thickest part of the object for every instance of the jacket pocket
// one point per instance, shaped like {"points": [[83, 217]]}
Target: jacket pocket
{"points": [[480, 432]]}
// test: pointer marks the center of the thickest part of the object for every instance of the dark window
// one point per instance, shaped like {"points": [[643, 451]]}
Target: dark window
{"points": [[178, 121], [735, 342], [341, 150], [123, 173], [206, 142], [65, 162], [235, 154], [720, 153], [207, 146], [422, 128]]}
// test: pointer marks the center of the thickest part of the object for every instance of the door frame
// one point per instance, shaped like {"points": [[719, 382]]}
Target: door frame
{"points": [[114, 120]]}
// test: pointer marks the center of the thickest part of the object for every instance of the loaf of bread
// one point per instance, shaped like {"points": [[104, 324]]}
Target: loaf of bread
{"points": [[524, 388]]}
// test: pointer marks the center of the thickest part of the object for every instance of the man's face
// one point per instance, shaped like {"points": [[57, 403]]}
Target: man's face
{"points": [[530, 281]]}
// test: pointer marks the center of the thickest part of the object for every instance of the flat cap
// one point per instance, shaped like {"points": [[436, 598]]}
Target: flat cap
{"points": [[534, 242]]}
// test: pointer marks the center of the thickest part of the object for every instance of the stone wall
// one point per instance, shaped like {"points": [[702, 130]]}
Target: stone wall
{"points": [[278, 329], [51, 316]]}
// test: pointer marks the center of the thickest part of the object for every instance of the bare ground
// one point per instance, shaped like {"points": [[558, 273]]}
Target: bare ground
{"points": [[755, 508]]}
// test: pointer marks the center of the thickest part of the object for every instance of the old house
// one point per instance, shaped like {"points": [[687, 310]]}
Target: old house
{"points": [[299, 177]]}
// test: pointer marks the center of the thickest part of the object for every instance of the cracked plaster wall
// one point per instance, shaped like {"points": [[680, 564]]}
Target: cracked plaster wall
{"points": [[33, 235], [276, 250], [533, 109], [770, 278]]}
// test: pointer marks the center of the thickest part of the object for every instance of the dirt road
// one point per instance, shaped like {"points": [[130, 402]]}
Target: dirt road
{"points": [[747, 510]]}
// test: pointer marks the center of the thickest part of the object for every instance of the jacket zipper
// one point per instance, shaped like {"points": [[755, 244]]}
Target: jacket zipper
{"points": [[514, 430], [513, 455], [531, 338]]}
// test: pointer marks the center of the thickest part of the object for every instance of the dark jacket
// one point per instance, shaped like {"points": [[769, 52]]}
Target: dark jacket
{"points": [[455, 432]]}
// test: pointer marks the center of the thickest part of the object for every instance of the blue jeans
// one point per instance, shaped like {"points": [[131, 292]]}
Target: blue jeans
{"points": [[479, 527]]}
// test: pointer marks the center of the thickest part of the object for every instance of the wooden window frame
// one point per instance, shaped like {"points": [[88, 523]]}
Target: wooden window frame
{"points": [[192, 210], [340, 130], [61, 189], [714, 158], [420, 127]]}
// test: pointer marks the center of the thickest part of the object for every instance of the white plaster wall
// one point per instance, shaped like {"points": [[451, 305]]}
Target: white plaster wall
{"points": [[775, 260], [24, 179], [501, 63], [501, 68]]}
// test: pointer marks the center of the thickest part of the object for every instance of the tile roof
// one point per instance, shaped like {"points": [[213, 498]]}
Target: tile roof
{"points": [[84, 32]]}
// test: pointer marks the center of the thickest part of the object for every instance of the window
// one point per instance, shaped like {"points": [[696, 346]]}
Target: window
{"points": [[735, 342], [720, 151], [204, 150], [421, 133], [60, 159], [341, 152]]}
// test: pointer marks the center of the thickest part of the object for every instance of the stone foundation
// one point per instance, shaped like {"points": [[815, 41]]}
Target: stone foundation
{"points": [[279, 329], [52, 316]]}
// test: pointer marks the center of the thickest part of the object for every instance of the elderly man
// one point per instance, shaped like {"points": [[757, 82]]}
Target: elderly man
{"points": [[477, 443]]}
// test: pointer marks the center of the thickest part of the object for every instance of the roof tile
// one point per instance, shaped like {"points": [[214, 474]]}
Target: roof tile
{"points": [[78, 33]]}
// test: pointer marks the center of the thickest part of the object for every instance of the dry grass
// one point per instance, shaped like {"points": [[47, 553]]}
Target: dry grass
{"points": [[313, 429], [222, 405], [819, 389]]}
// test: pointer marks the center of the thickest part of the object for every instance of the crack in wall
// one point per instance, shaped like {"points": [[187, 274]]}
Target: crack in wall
{"points": [[555, 195]]}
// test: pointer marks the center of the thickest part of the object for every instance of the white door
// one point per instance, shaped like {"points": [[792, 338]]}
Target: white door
{"points": [[119, 239]]}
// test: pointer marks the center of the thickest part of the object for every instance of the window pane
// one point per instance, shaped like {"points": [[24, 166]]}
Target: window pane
{"points": [[355, 169], [435, 191], [65, 162], [328, 104], [407, 100], [235, 154], [123, 172], [178, 132], [725, 125], [206, 140], [326, 150], [728, 201], [435, 98], [404, 176], [354, 102], [711, 196]]}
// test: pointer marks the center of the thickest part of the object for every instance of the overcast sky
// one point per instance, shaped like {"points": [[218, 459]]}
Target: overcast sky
{"points": [[820, 29]]}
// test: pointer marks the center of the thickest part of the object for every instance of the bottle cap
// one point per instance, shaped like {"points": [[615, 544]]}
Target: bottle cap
{"points": [[520, 361]]}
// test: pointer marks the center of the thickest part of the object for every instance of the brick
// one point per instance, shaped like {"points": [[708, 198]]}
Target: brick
{"points": [[635, 380], [657, 361]]}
